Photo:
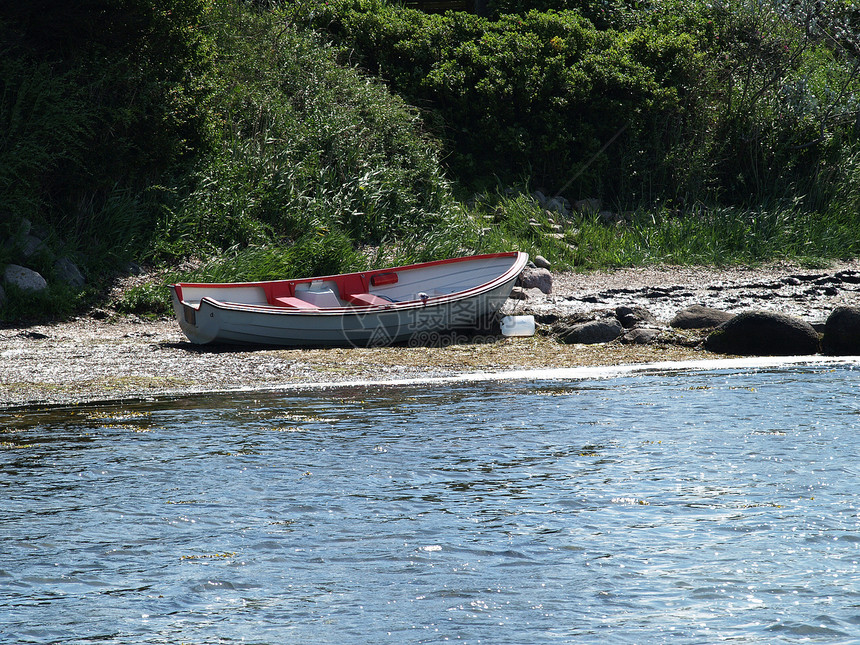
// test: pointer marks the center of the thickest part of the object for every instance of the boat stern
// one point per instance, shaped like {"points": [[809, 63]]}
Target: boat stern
{"points": [[193, 321]]}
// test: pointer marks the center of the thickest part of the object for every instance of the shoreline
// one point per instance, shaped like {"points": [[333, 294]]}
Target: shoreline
{"points": [[83, 362], [125, 359]]}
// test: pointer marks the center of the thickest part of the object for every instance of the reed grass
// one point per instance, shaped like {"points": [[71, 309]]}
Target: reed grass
{"points": [[716, 236], [308, 144]]}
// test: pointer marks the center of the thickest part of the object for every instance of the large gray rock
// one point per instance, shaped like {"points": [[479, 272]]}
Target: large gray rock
{"points": [[763, 333], [68, 272], [641, 336], [534, 277], [589, 333], [24, 278], [541, 262], [842, 332], [699, 317]]}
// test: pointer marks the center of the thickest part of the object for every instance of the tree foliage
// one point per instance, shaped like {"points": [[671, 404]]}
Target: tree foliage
{"points": [[732, 101], [97, 95]]}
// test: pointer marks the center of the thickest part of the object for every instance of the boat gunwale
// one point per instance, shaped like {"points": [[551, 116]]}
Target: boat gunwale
{"points": [[519, 260]]}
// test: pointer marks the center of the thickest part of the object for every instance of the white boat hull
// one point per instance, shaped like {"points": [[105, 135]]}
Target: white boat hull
{"points": [[450, 295]]}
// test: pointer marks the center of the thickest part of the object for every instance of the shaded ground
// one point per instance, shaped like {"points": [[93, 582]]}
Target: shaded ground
{"points": [[118, 358]]}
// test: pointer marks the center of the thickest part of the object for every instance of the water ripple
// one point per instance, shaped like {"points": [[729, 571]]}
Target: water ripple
{"points": [[661, 507]]}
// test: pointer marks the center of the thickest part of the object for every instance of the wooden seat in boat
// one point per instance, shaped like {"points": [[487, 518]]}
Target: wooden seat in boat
{"points": [[293, 302], [366, 300]]}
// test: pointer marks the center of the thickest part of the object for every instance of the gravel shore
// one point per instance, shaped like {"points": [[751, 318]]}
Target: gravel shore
{"points": [[125, 358]]}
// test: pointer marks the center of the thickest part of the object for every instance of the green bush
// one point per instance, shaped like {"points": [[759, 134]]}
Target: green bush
{"points": [[682, 101], [44, 123], [307, 144], [604, 14], [99, 102], [124, 82], [536, 94]]}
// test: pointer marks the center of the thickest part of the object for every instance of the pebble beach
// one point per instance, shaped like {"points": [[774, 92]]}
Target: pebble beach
{"points": [[114, 358]]}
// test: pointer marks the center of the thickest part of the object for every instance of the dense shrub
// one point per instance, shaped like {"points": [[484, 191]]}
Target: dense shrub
{"points": [[308, 145], [97, 94], [44, 122], [537, 94], [604, 14], [732, 101]]}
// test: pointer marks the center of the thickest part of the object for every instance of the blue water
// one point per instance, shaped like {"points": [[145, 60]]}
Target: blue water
{"points": [[674, 508]]}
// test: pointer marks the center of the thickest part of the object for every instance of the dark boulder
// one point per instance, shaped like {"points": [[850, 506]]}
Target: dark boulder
{"points": [[632, 316], [699, 317], [68, 272], [842, 332], [589, 333], [763, 333]]}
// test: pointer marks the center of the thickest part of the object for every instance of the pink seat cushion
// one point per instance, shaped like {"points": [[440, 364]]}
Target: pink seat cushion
{"points": [[367, 299], [295, 303]]}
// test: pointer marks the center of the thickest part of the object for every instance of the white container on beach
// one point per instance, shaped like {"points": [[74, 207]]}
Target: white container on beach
{"points": [[518, 326]]}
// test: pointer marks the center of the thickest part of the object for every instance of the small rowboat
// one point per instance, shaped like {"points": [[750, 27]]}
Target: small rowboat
{"points": [[367, 308]]}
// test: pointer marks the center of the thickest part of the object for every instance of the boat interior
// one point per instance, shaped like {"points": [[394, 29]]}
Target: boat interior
{"points": [[365, 289], [341, 291]]}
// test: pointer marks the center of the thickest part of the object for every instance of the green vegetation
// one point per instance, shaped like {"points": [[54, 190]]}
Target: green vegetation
{"points": [[254, 140], [729, 103]]}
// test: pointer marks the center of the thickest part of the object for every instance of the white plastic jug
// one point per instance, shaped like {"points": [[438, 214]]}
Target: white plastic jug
{"points": [[518, 326]]}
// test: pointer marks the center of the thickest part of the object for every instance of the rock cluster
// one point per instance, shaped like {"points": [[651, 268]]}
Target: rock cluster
{"points": [[558, 222], [751, 331], [29, 245], [589, 206]]}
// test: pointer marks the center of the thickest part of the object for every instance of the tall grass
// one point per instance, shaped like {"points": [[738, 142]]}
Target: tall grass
{"points": [[716, 236], [307, 145]]}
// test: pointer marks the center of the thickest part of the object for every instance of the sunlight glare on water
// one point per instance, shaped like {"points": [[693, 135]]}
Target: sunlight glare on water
{"points": [[689, 507]]}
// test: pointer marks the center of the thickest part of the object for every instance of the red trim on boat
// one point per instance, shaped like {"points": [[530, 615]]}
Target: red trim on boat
{"points": [[360, 275], [349, 283]]}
